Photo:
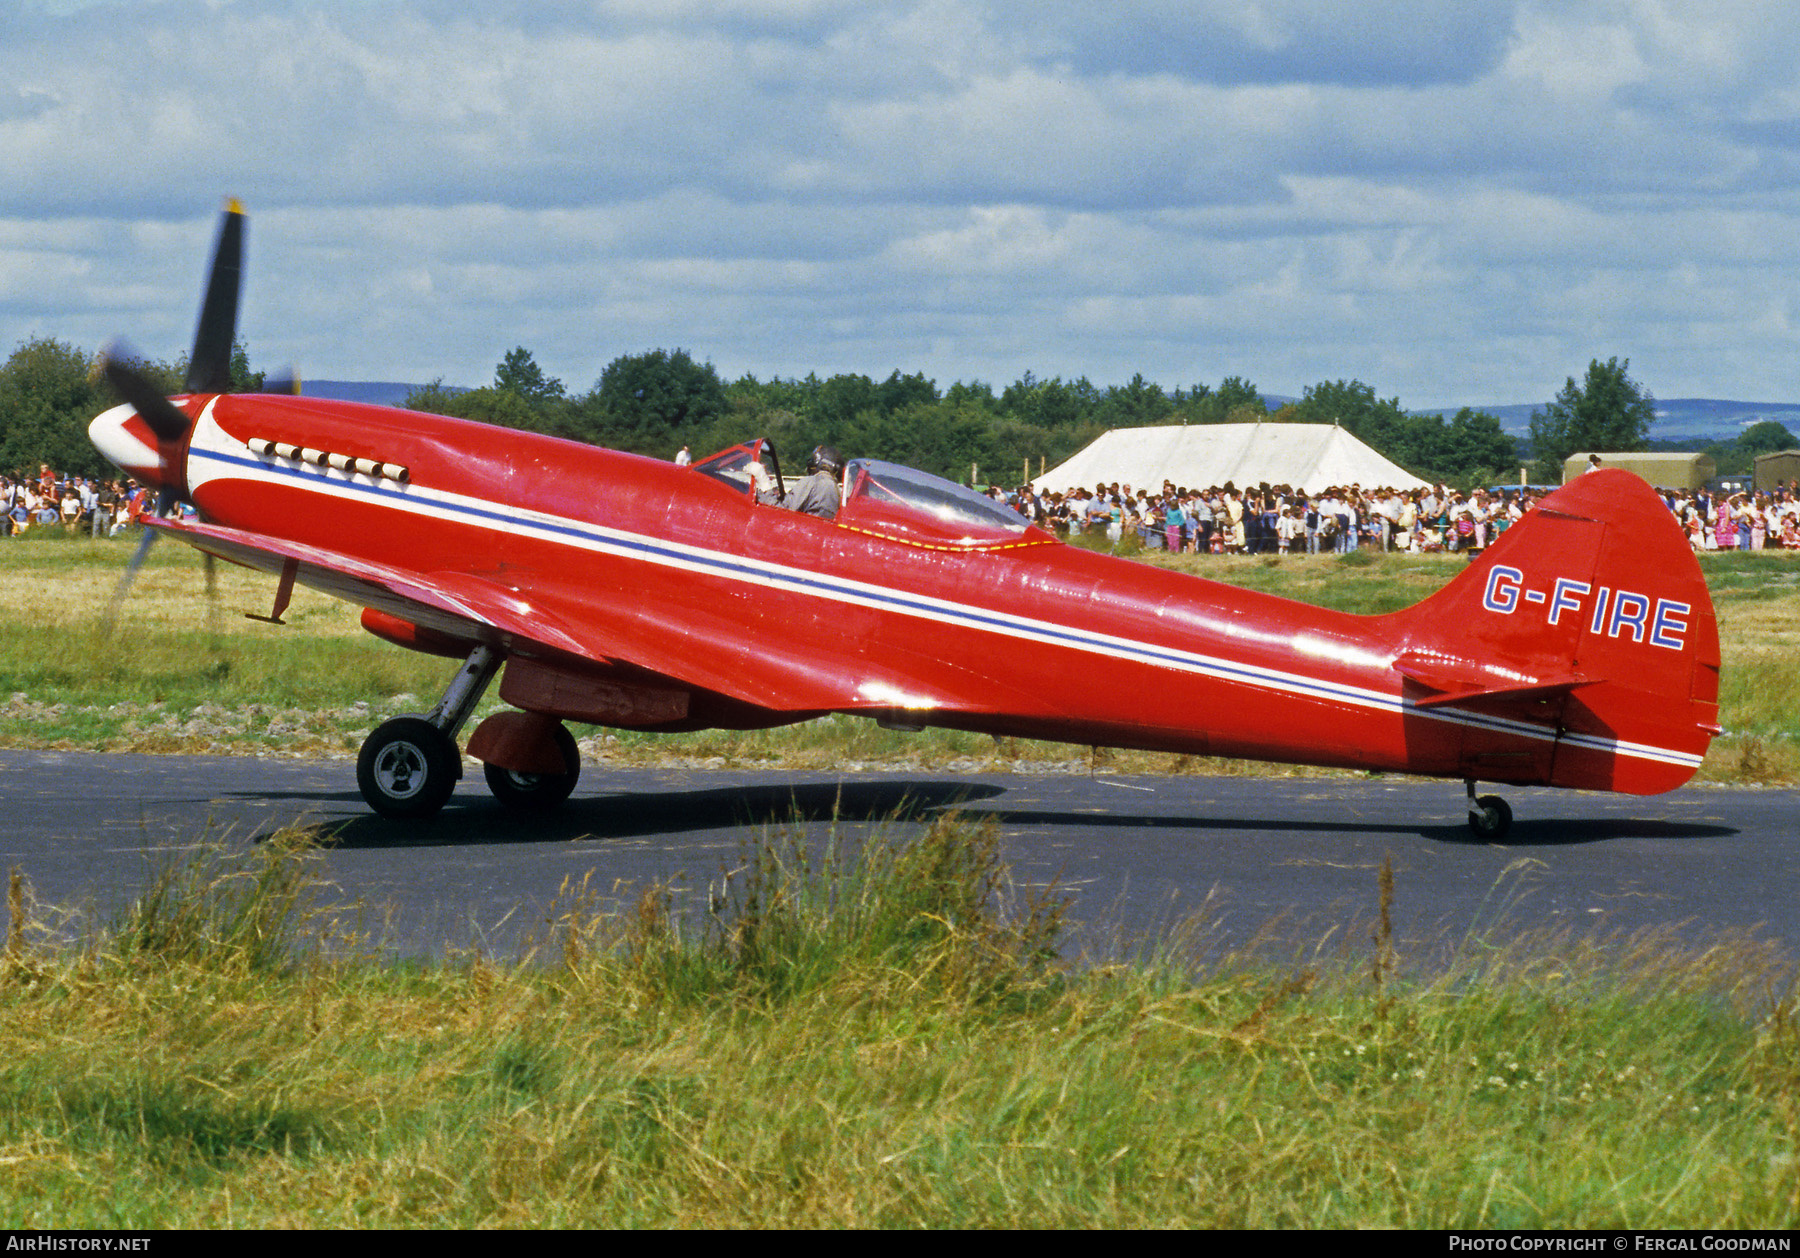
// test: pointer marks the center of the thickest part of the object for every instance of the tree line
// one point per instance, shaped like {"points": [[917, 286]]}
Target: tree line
{"points": [[654, 402]]}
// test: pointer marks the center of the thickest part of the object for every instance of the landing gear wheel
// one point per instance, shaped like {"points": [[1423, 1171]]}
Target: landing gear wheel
{"points": [[407, 768], [1490, 817], [537, 792]]}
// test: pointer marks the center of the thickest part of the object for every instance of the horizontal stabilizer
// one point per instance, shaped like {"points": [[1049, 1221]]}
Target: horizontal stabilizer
{"points": [[1454, 685]]}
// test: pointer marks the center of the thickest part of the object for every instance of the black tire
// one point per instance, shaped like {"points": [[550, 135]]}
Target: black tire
{"points": [[1493, 819], [537, 792], [407, 768]]}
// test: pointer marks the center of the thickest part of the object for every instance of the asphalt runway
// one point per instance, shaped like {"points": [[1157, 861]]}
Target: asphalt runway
{"points": [[1292, 861]]}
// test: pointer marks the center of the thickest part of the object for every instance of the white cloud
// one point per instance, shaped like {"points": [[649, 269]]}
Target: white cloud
{"points": [[1275, 41], [1453, 202]]}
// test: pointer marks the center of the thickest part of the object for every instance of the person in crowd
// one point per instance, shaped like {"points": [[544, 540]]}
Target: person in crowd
{"points": [[70, 507], [1175, 522], [1289, 528], [1742, 514], [1203, 523], [1234, 521]]}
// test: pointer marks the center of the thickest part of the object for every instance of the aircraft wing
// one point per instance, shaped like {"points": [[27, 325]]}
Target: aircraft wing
{"points": [[452, 603], [703, 648]]}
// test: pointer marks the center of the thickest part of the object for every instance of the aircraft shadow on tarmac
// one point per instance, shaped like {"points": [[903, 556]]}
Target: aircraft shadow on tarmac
{"points": [[1544, 832], [636, 814]]}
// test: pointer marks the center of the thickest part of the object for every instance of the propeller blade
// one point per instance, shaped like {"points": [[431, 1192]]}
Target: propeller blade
{"points": [[127, 578], [214, 615], [286, 381], [209, 366], [163, 416]]}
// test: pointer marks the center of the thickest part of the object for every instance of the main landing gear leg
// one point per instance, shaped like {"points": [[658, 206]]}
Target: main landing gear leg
{"points": [[409, 766], [1490, 817]]}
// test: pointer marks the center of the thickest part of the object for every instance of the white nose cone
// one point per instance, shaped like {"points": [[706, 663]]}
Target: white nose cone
{"points": [[127, 442]]}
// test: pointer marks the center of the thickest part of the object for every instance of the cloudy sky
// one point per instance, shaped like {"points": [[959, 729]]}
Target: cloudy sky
{"points": [[1455, 201]]}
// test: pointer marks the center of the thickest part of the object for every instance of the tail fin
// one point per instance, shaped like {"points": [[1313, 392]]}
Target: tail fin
{"points": [[1588, 629]]}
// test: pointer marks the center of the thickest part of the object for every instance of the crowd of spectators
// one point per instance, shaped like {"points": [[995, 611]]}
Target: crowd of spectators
{"points": [[74, 504], [1766, 520], [1223, 519], [1278, 519]]}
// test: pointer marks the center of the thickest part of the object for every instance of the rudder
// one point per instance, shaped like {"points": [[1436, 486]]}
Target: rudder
{"points": [[1588, 624]]}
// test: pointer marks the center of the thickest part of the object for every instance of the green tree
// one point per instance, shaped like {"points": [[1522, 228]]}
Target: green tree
{"points": [[1236, 400], [1607, 412], [487, 405], [436, 397], [1349, 403], [508, 408], [49, 391], [1378, 422], [944, 438], [840, 400], [1135, 405], [1471, 449], [1051, 404], [898, 392], [1737, 457], [518, 373], [244, 380], [653, 402], [1767, 436]]}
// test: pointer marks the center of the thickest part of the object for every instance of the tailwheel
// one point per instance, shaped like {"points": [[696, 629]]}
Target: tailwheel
{"points": [[408, 768], [537, 792], [1490, 817]]}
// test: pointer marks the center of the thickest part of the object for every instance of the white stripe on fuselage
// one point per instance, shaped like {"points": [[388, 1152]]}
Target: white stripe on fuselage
{"points": [[211, 448]]}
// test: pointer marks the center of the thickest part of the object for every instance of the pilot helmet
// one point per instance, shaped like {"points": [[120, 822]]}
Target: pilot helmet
{"points": [[825, 459]]}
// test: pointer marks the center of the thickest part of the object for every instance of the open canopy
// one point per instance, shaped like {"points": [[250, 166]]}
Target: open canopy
{"points": [[1310, 457]]}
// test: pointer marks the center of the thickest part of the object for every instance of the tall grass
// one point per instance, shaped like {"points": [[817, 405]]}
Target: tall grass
{"points": [[875, 1037], [938, 914], [222, 909]]}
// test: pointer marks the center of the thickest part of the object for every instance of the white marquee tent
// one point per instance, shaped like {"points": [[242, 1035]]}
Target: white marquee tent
{"points": [[1310, 457]]}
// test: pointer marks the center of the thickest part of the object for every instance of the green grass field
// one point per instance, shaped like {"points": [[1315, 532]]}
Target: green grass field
{"points": [[180, 672]]}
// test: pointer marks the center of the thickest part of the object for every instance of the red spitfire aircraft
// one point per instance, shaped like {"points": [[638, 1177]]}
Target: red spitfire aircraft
{"points": [[1580, 650]]}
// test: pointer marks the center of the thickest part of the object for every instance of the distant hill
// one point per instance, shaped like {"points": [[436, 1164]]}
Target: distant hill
{"points": [[1704, 420], [1716, 420]]}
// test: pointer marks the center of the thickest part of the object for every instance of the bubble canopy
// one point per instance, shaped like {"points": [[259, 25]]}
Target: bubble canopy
{"points": [[894, 490]]}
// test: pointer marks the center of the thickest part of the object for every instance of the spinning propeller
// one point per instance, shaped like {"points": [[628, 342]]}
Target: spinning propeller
{"points": [[148, 436]]}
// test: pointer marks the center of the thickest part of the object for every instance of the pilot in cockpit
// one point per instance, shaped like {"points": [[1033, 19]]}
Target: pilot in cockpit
{"points": [[817, 492]]}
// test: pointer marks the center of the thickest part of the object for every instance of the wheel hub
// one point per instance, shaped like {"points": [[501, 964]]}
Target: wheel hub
{"points": [[400, 768]]}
